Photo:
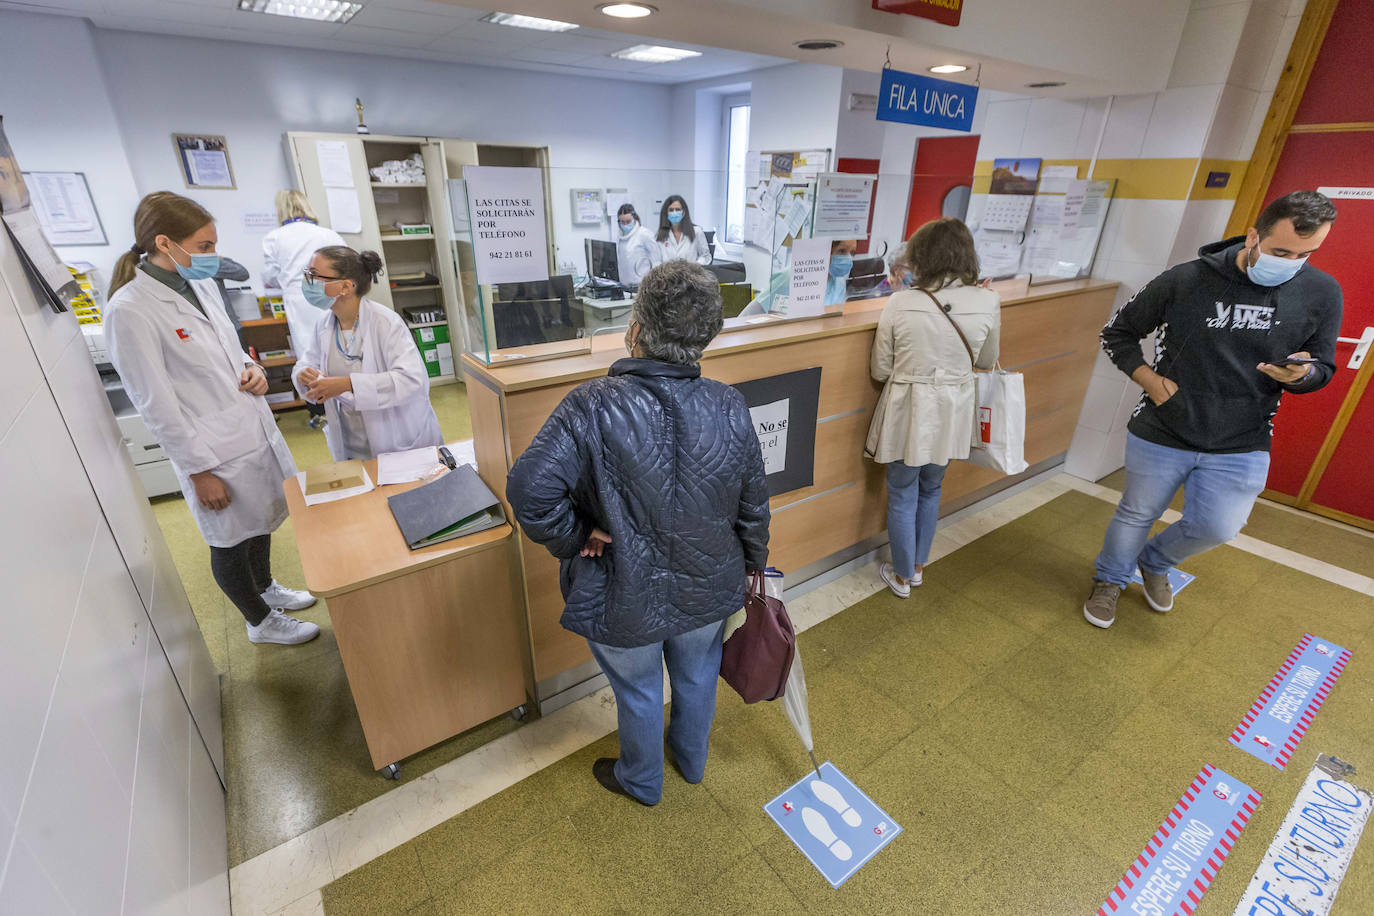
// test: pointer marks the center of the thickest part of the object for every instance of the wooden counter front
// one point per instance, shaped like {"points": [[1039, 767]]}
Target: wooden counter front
{"points": [[1049, 333]]}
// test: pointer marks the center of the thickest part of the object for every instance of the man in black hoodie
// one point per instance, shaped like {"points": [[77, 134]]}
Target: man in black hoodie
{"points": [[1246, 321]]}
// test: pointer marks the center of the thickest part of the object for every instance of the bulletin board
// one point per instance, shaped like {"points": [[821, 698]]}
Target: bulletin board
{"points": [[779, 195]]}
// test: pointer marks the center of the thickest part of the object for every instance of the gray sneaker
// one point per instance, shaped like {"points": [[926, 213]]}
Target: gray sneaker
{"points": [[1100, 608], [1159, 594]]}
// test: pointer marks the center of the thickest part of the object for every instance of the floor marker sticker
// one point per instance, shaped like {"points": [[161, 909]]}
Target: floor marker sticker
{"points": [[1178, 579], [1273, 727], [1303, 869], [1186, 852], [837, 827]]}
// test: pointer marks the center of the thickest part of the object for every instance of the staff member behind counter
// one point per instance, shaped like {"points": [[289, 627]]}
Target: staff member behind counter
{"points": [[201, 396], [841, 263], [361, 363], [636, 251], [678, 237]]}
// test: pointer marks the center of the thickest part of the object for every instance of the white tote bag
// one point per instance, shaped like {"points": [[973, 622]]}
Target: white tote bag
{"points": [[999, 435]]}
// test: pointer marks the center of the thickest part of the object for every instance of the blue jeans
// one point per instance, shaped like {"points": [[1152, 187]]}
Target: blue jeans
{"points": [[913, 509], [636, 676], [1218, 493]]}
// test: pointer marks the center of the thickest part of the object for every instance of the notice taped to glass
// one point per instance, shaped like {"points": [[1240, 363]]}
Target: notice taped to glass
{"points": [[506, 206]]}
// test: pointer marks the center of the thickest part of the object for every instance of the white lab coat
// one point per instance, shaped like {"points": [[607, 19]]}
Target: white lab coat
{"points": [[181, 370], [685, 249], [636, 254], [391, 390], [286, 253], [925, 414]]}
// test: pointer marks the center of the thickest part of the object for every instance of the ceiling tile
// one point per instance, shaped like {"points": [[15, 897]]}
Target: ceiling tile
{"points": [[548, 55], [384, 17], [383, 38]]}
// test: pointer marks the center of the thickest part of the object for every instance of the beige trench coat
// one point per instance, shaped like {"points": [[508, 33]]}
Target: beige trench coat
{"points": [[925, 414]]}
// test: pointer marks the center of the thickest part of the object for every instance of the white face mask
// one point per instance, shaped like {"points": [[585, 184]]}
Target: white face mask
{"points": [[1272, 270]]}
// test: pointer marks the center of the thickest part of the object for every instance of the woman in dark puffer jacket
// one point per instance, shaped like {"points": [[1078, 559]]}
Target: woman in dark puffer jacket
{"points": [[648, 485]]}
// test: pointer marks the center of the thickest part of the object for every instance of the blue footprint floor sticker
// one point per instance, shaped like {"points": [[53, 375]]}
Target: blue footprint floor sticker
{"points": [[837, 827]]}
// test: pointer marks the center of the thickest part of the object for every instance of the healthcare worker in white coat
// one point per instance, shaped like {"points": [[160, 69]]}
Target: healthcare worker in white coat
{"points": [[637, 252], [286, 253], [362, 363], [678, 236], [201, 396]]}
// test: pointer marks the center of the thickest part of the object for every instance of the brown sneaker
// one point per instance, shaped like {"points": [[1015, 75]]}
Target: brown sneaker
{"points": [[1159, 594], [1100, 608]]}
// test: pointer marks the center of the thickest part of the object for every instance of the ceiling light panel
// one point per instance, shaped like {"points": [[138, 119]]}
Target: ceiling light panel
{"points": [[949, 68], [627, 10], [529, 22], [654, 54], [314, 10]]}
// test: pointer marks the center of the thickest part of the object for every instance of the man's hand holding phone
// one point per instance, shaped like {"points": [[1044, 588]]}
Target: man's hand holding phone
{"points": [[1290, 370]]}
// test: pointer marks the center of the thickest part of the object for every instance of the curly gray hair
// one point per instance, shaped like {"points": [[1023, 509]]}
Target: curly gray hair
{"points": [[678, 312]]}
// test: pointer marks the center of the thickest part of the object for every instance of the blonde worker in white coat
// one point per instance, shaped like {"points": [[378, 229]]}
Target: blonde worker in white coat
{"points": [[678, 236], [636, 251], [362, 363], [286, 253], [201, 396], [929, 341]]}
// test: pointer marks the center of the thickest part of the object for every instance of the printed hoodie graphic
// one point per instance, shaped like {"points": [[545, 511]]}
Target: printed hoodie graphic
{"points": [[1212, 326]]}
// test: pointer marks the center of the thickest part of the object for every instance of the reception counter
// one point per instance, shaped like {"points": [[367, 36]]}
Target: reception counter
{"points": [[1049, 333]]}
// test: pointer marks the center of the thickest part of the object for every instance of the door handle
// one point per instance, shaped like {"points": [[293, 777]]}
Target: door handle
{"points": [[1362, 344]]}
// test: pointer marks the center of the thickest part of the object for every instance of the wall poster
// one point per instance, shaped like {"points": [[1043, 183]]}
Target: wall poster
{"points": [[783, 408], [204, 161]]}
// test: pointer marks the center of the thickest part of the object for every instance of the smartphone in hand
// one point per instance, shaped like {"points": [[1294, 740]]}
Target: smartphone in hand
{"points": [[1296, 361]]}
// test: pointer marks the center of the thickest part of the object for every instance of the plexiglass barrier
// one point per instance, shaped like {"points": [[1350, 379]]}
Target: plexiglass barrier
{"points": [[548, 260]]}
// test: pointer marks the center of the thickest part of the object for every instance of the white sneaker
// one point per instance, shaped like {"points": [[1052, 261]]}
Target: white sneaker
{"points": [[282, 630], [289, 599], [889, 575]]}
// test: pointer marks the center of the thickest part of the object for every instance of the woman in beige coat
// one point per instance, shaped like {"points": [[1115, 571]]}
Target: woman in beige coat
{"points": [[930, 339]]}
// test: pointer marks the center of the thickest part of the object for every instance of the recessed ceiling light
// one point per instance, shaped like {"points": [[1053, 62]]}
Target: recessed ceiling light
{"points": [[528, 22], [627, 10], [818, 44], [317, 10], [1047, 84], [654, 54], [949, 68]]}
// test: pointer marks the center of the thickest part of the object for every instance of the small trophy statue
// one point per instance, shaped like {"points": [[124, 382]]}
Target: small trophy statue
{"points": [[362, 128]]}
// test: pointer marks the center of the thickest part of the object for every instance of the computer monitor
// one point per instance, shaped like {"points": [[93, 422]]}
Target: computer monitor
{"points": [[533, 312], [727, 271], [867, 275], [601, 262], [710, 241]]}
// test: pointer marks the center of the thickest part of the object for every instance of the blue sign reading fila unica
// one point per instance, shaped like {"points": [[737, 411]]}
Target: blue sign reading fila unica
{"points": [[912, 99], [1273, 727], [1186, 852]]}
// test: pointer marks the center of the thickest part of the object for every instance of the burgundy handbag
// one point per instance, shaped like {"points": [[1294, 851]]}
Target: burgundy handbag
{"points": [[757, 657]]}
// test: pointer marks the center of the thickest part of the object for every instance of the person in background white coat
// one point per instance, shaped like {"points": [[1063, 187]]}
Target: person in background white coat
{"points": [[636, 251], [929, 341], [678, 236], [286, 253], [362, 363], [200, 395]]}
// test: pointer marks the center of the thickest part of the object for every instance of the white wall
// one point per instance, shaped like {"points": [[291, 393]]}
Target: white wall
{"points": [[109, 800], [253, 94], [60, 118]]}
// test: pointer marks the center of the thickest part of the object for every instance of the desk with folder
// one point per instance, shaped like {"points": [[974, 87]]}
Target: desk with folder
{"points": [[428, 622]]}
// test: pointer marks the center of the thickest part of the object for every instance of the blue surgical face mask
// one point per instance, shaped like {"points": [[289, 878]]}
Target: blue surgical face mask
{"points": [[674, 216], [203, 266], [841, 265], [1272, 270], [627, 228], [314, 293]]}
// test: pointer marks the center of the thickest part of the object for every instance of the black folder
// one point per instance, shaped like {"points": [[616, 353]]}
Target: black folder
{"points": [[455, 505]]}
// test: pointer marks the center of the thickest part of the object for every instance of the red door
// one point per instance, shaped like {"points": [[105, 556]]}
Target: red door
{"points": [[1322, 441], [942, 164], [853, 166]]}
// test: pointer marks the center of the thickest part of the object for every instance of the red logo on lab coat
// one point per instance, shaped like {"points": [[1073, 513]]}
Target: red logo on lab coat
{"points": [[181, 332]]}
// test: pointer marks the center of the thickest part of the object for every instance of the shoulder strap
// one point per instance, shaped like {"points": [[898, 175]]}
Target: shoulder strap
{"points": [[962, 339]]}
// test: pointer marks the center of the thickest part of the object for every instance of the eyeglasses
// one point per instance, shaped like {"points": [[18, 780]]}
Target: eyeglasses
{"points": [[311, 276]]}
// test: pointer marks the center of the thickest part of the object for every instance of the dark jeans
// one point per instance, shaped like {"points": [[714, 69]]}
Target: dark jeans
{"points": [[243, 572]]}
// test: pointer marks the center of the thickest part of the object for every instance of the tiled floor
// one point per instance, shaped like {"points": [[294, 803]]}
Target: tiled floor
{"points": [[295, 754], [1028, 755]]}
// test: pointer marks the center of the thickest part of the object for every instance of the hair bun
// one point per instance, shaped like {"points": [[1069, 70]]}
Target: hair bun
{"points": [[371, 261]]}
